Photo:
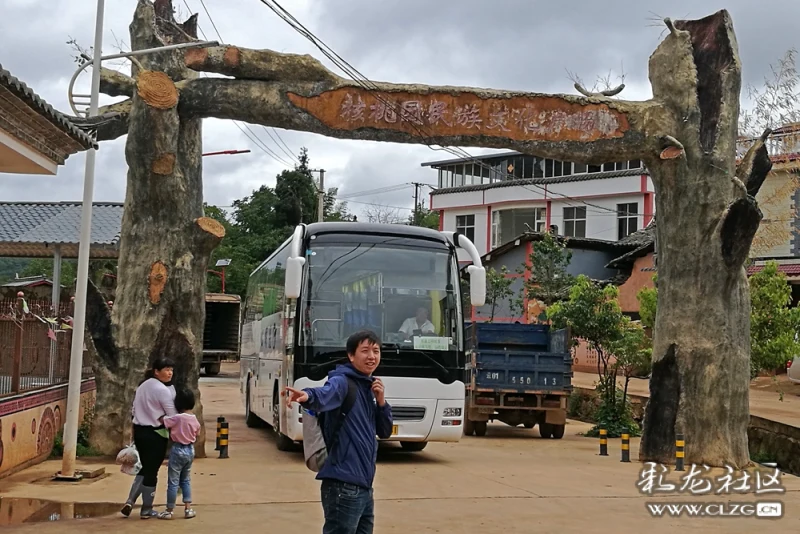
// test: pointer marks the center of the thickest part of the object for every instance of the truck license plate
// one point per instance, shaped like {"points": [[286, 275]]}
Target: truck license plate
{"points": [[394, 430]]}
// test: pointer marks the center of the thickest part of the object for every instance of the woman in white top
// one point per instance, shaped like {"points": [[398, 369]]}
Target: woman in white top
{"points": [[154, 399]]}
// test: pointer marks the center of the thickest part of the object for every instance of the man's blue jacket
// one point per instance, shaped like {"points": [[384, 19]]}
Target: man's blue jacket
{"points": [[353, 458]]}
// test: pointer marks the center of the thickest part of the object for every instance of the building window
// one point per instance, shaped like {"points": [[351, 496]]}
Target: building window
{"points": [[627, 219], [512, 223], [465, 224], [575, 222], [495, 229]]}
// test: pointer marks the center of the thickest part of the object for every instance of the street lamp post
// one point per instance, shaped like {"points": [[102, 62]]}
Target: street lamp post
{"points": [[221, 274], [79, 317]]}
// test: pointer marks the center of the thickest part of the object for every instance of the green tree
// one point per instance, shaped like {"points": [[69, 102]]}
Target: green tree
{"points": [[632, 353], [548, 280], [333, 210], [498, 289], [594, 315], [9, 267], [648, 297], [69, 270], [44, 267], [260, 222], [773, 323], [425, 218]]}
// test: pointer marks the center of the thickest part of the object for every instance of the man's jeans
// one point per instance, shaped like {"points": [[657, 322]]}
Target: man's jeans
{"points": [[348, 508], [179, 473]]}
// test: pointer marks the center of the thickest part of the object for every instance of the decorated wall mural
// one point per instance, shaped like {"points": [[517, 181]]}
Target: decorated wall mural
{"points": [[30, 422]]}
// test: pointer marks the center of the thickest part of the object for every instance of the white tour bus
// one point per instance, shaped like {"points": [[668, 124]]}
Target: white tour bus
{"points": [[330, 280]]}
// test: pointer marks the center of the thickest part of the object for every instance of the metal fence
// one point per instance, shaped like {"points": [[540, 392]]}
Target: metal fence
{"points": [[29, 356]]}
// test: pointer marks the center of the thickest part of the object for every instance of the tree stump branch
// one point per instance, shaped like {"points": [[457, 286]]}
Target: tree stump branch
{"points": [[265, 65], [605, 93], [115, 83], [209, 233], [755, 165], [157, 90]]}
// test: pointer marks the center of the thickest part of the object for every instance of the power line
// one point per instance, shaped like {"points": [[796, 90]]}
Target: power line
{"points": [[285, 150], [259, 143], [365, 83], [380, 190]]}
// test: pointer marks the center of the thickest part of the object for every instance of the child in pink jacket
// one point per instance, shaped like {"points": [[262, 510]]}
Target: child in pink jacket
{"points": [[183, 430]]}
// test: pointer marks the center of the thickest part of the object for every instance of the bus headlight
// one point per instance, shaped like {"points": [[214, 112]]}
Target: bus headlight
{"points": [[451, 412]]}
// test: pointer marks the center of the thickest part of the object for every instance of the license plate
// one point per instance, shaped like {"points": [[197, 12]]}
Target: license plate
{"points": [[394, 430]]}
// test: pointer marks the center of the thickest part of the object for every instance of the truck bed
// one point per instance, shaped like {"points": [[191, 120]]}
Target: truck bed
{"points": [[519, 358], [518, 374], [221, 332]]}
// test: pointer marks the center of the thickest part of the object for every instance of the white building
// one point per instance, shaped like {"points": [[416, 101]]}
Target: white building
{"points": [[495, 198]]}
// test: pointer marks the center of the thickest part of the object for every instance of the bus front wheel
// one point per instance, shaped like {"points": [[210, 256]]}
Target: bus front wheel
{"points": [[283, 442]]}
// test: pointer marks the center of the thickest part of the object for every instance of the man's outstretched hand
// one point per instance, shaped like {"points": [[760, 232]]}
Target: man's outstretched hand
{"points": [[295, 395]]}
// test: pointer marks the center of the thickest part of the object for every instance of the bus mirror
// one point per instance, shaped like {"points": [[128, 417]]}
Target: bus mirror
{"points": [[294, 277], [477, 285]]}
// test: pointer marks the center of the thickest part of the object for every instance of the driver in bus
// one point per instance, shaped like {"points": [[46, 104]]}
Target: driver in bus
{"points": [[418, 324]]}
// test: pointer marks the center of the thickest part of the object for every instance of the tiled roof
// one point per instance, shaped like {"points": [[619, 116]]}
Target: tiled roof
{"points": [[58, 223], [789, 269], [543, 181], [585, 243], [645, 236], [643, 242], [26, 94]]}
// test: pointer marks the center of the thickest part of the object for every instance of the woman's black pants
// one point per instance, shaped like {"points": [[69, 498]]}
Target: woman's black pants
{"points": [[152, 451]]}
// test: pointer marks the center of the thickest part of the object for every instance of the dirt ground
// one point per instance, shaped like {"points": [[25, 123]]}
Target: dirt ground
{"points": [[508, 481]]}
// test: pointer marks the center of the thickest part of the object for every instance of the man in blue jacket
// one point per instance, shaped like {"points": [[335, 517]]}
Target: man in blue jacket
{"points": [[349, 471]]}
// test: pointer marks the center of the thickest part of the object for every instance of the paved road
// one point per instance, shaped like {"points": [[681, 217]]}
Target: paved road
{"points": [[509, 481]]}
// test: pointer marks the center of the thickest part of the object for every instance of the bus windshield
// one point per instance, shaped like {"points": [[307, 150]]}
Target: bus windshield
{"points": [[405, 290]]}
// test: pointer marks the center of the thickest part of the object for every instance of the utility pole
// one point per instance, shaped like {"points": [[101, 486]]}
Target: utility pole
{"points": [[417, 187], [321, 196]]}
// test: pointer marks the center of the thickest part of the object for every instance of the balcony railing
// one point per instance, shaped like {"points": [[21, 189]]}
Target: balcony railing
{"points": [[782, 145]]}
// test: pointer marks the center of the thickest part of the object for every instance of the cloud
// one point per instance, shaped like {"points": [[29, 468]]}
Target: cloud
{"points": [[506, 44]]}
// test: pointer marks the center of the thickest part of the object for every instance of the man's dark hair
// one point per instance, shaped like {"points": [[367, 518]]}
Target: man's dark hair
{"points": [[359, 337], [184, 400]]}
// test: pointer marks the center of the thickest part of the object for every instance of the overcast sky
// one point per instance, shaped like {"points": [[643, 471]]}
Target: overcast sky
{"points": [[504, 44]]}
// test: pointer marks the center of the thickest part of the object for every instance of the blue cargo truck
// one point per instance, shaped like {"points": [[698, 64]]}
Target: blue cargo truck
{"points": [[520, 374]]}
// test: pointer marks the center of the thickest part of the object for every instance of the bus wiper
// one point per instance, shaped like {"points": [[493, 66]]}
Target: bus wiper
{"points": [[397, 346], [433, 360]]}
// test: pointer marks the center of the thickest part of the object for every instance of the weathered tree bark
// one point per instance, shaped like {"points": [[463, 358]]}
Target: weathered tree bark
{"points": [[700, 380], [686, 135], [165, 243]]}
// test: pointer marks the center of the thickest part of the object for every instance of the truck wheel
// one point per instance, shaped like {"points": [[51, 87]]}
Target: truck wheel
{"points": [[545, 430], [413, 446], [469, 427], [284, 443], [212, 369], [480, 428], [558, 431]]}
